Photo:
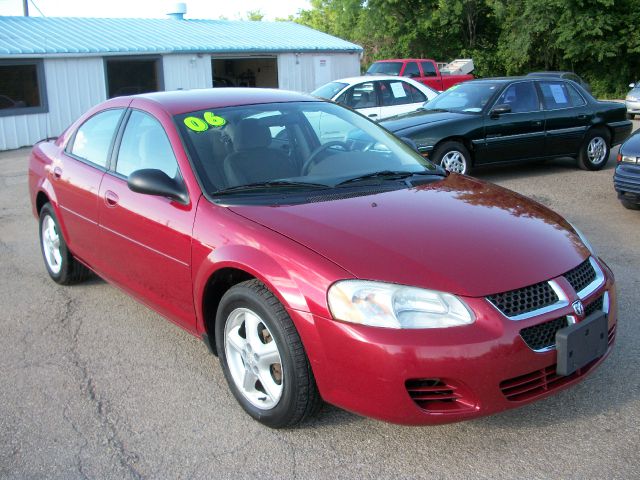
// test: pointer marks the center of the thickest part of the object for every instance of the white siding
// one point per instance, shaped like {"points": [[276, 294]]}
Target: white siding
{"points": [[73, 86], [304, 72], [182, 72]]}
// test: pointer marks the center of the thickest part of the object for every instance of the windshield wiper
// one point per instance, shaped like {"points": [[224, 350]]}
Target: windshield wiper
{"points": [[392, 175], [269, 184]]}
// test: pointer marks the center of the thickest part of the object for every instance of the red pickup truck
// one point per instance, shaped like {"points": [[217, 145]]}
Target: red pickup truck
{"points": [[421, 69]]}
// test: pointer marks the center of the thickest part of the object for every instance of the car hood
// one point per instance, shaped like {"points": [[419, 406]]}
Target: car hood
{"points": [[420, 117], [458, 235], [632, 145]]}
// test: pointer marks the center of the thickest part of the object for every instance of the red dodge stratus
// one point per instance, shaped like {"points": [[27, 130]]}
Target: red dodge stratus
{"points": [[321, 257]]}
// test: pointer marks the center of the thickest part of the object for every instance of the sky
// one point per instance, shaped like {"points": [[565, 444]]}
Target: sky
{"points": [[210, 9]]}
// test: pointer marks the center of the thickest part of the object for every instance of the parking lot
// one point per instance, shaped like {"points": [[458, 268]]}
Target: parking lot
{"points": [[95, 385]]}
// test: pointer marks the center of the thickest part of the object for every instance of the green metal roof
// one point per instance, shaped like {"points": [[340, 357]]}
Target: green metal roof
{"points": [[42, 36]]}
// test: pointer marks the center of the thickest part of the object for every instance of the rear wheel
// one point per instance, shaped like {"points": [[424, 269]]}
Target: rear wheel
{"points": [[62, 267], [594, 152], [263, 358], [454, 157]]}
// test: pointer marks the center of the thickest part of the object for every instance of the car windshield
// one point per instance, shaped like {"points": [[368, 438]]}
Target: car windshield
{"points": [[292, 146], [470, 97], [385, 68], [329, 90]]}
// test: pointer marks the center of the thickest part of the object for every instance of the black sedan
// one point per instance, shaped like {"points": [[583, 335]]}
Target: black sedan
{"points": [[626, 178], [504, 120]]}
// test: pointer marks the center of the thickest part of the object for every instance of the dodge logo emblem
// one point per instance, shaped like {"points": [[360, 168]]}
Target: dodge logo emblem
{"points": [[578, 307]]}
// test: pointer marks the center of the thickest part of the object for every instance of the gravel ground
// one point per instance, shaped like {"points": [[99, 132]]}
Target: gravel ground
{"points": [[95, 385]]}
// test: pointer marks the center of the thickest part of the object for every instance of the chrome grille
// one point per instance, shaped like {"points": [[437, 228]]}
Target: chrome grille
{"points": [[597, 304], [581, 276], [543, 335], [523, 300]]}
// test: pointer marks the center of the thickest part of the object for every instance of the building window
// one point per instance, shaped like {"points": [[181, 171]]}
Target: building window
{"points": [[130, 76], [22, 88]]}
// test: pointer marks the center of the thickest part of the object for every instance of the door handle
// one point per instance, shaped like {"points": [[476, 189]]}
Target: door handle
{"points": [[583, 117], [57, 173], [536, 123], [110, 198], [373, 115]]}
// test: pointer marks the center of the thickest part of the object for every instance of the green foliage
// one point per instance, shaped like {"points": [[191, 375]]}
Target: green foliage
{"points": [[255, 15], [597, 39]]}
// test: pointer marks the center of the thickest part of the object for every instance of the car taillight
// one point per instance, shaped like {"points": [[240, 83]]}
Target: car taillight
{"points": [[619, 158]]}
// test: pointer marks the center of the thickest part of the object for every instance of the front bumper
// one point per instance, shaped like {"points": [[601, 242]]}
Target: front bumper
{"points": [[437, 376], [633, 106], [626, 181]]}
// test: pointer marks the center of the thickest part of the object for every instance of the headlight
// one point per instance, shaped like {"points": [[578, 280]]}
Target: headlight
{"points": [[584, 240], [388, 305], [628, 159]]}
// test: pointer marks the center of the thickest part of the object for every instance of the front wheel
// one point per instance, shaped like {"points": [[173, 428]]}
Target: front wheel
{"points": [[594, 151], [454, 157], [629, 205], [263, 358], [62, 267]]}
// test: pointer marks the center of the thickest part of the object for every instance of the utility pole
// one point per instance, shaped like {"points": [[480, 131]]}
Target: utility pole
{"points": [[25, 7]]}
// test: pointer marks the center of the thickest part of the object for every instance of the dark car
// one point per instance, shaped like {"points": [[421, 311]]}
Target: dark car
{"points": [[251, 219], [626, 178], [502, 120], [564, 75]]}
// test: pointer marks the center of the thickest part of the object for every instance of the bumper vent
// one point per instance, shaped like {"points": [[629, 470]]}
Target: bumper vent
{"points": [[523, 300], [437, 395], [543, 336], [581, 276], [538, 382]]}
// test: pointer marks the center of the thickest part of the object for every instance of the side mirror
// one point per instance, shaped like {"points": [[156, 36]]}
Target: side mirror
{"points": [[632, 85], [500, 110], [411, 143], [149, 181]]}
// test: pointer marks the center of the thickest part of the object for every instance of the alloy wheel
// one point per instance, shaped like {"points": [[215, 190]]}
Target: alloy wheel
{"points": [[51, 244], [253, 358], [454, 161], [597, 150]]}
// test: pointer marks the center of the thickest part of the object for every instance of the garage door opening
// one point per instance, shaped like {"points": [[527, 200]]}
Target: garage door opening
{"points": [[245, 72], [132, 76]]}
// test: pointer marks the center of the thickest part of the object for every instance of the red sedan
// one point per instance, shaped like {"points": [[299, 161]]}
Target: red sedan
{"points": [[321, 257]]}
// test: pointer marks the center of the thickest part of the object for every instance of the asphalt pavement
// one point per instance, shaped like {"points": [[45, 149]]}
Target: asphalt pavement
{"points": [[95, 385]]}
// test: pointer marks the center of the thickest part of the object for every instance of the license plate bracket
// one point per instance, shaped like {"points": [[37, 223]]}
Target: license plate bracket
{"points": [[581, 343]]}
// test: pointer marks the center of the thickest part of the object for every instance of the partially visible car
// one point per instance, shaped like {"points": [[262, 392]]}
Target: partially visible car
{"points": [[512, 119], [626, 178], [351, 271], [564, 75], [423, 70], [377, 97], [632, 100], [222, 82]]}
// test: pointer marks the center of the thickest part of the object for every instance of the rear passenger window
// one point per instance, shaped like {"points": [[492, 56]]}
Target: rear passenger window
{"points": [[93, 139], [361, 96], [145, 145], [411, 70], [400, 93], [575, 97], [428, 69], [555, 95]]}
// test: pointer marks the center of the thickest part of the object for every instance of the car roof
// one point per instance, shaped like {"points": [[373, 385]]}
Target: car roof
{"points": [[370, 78], [182, 101], [549, 73], [406, 60]]}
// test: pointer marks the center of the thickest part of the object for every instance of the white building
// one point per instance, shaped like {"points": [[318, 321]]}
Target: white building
{"points": [[54, 69]]}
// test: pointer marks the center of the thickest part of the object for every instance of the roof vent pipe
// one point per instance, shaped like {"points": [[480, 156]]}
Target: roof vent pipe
{"points": [[177, 11]]}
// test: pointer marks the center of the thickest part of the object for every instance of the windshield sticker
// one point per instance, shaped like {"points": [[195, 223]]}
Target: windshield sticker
{"points": [[214, 120], [199, 125], [398, 90]]}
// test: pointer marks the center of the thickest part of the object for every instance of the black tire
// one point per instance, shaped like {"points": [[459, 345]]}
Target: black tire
{"points": [[629, 205], [460, 154], [585, 160], [630, 116], [68, 270], [299, 396]]}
